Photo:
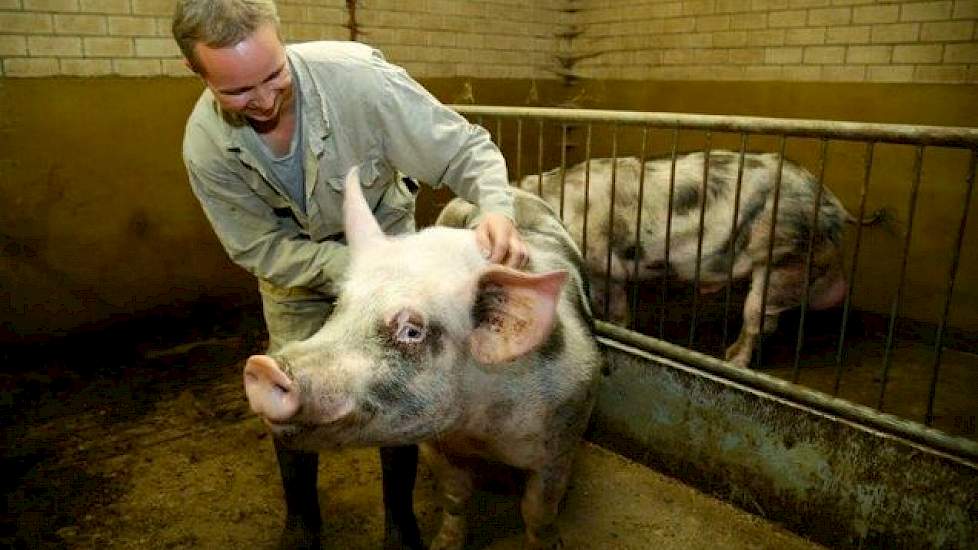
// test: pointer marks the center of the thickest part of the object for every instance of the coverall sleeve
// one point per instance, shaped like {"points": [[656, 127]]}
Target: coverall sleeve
{"points": [[267, 245], [426, 139]]}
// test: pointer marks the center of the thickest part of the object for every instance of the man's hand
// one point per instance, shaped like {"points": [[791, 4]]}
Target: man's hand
{"points": [[500, 242]]}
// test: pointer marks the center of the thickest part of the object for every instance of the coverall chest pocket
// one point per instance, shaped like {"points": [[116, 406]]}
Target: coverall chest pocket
{"points": [[375, 177]]}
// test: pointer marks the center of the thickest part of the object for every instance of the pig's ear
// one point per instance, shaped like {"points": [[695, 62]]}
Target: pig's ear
{"points": [[359, 223], [514, 312]]}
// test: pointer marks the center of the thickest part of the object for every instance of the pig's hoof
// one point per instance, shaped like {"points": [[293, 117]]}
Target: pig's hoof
{"points": [[739, 360], [737, 355], [451, 535], [448, 539]]}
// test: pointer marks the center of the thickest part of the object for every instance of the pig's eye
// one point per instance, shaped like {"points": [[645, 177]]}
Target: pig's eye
{"points": [[408, 327], [410, 334]]}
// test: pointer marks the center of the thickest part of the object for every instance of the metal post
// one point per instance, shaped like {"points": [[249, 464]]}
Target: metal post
{"points": [[699, 238], [952, 275], [840, 352], [816, 209], [895, 308]]}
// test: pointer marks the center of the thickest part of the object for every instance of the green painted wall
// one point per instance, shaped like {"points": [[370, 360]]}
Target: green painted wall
{"points": [[98, 223]]}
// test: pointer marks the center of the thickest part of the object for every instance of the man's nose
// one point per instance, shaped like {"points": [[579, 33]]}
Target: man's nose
{"points": [[264, 97]]}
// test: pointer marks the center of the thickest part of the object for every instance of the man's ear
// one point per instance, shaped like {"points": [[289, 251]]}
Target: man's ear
{"points": [[189, 65]]}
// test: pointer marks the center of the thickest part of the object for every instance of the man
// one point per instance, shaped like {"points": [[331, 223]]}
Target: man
{"points": [[267, 147]]}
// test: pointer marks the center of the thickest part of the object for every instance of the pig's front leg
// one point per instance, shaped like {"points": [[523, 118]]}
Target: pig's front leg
{"points": [[399, 466], [541, 498], [781, 291], [455, 486]]}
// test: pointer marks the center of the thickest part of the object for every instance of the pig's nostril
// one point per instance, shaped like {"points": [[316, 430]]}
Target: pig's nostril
{"points": [[270, 392]]}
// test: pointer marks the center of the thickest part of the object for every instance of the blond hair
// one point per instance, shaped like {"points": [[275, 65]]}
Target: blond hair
{"points": [[218, 23]]}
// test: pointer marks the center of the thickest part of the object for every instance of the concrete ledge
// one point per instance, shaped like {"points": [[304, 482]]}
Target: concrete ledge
{"points": [[825, 477]]}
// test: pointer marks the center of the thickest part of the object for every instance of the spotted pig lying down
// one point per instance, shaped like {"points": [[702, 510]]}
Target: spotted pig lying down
{"points": [[431, 344], [749, 241]]}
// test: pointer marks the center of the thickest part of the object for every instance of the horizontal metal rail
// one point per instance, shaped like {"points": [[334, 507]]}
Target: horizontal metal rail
{"points": [[842, 130], [871, 134], [859, 414]]}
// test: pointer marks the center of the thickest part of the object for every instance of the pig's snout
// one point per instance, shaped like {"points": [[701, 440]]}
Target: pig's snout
{"points": [[276, 397], [270, 392]]}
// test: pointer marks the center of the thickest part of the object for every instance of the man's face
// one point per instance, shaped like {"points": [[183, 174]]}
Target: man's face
{"points": [[252, 77]]}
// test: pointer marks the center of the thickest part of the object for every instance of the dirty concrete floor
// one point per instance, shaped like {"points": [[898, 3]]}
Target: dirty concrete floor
{"points": [[154, 448]]}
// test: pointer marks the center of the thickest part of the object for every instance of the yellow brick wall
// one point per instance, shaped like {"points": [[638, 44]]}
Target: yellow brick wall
{"points": [[786, 40], [430, 38]]}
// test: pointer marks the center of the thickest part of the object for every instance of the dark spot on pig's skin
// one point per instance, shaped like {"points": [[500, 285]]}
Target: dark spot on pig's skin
{"points": [[749, 212], [388, 391], [620, 234], [554, 346], [686, 197], [391, 394], [499, 411], [632, 252], [566, 417], [752, 163], [720, 160], [718, 183]]}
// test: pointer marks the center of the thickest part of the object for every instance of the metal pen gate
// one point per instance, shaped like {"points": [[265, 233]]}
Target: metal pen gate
{"points": [[564, 133]]}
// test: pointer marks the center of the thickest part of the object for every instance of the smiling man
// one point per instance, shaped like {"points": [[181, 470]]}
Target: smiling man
{"points": [[267, 147]]}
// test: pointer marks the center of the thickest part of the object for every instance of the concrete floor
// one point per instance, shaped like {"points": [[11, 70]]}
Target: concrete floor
{"points": [[155, 448]]}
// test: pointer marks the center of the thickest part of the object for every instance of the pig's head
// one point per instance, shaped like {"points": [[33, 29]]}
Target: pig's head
{"points": [[416, 317]]}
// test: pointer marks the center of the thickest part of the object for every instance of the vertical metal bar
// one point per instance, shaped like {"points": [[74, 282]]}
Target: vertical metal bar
{"points": [[563, 168], [952, 275], [731, 255], [611, 220], [699, 237], [540, 157], [816, 209], [770, 249], [840, 352], [668, 236], [895, 308], [638, 224], [587, 189], [519, 149]]}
